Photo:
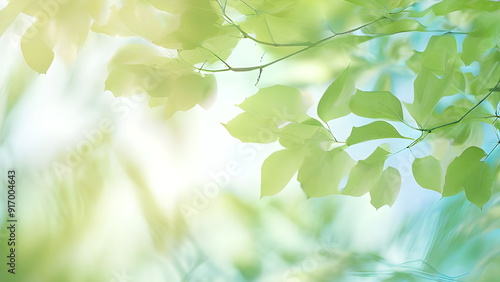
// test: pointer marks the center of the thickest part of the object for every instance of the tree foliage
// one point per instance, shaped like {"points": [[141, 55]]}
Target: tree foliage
{"points": [[454, 102]]}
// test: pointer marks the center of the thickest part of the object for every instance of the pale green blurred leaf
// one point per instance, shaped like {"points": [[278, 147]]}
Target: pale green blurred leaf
{"points": [[372, 4], [279, 102], [393, 27], [195, 24], [322, 171], [37, 49]]}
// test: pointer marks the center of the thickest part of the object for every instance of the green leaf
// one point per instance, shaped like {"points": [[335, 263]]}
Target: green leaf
{"points": [[382, 5], [372, 131], [428, 90], [471, 49], [365, 173], [214, 48], [250, 128], [468, 130], [286, 22], [439, 51], [322, 171], [278, 169], [461, 168], [376, 104], [300, 133], [279, 102], [478, 184], [428, 173], [386, 190], [335, 101]]}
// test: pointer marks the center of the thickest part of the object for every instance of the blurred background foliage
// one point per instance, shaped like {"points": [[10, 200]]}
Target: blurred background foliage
{"points": [[110, 190]]}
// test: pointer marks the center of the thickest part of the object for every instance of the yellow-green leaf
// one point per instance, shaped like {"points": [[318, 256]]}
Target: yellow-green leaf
{"points": [[278, 169], [461, 168], [428, 173], [335, 101], [300, 133], [250, 128], [372, 131], [386, 190], [393, 27], [279, 102], [36, 48], [365, 173], [322, 171], [376, 104], [478, 184]]}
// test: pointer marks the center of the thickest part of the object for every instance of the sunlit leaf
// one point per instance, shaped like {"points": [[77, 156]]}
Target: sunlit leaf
{"points": [[335, 101], [248, 127], [322, 171], [460, 169], [372, 131], [365, 174], [427, 172], [299, 133], [278, 169], [196, 24], [279, 102], [386, 190], [377, 104], [284, 22], [213, 49], [188, 90]]}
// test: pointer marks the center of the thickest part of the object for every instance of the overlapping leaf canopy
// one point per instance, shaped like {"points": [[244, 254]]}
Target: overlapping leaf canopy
{"points": [[453, 104]]}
